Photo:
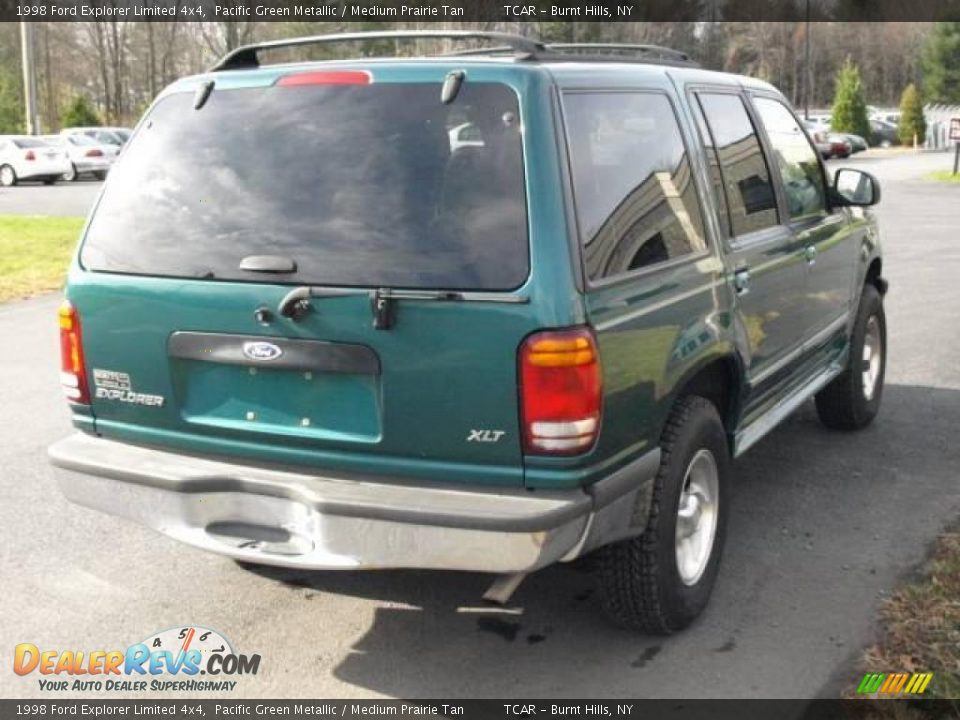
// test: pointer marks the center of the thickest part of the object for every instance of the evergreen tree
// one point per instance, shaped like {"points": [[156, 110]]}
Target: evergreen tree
{"points": [[849, 104], [11, 103], [941, 64], [79, 113], [912, 121]]}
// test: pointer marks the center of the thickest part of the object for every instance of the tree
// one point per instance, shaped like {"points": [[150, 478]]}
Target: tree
{"points": [[912, 122], [11, 103], [849, 105], [941, 61], [79, 113]]}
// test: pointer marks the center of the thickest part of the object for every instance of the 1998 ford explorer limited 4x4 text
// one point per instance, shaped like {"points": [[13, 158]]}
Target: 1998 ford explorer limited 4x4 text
{"points": [[483, 311]]}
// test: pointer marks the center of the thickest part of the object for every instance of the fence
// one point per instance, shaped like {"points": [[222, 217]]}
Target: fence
{"points": [[938, 126]]}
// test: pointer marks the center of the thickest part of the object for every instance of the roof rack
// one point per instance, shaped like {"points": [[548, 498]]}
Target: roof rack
{"points": [[247, 56], [597, 52], [643, 53]]}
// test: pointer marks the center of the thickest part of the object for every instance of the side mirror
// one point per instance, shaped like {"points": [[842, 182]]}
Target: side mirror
{"points": [[855, 188]]}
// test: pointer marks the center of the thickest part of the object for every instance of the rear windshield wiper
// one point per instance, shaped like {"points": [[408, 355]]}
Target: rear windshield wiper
{"points": [[296, 303]]}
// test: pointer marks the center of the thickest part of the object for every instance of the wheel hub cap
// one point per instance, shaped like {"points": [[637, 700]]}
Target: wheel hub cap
{"points": [[872, 357], [697, 516]]}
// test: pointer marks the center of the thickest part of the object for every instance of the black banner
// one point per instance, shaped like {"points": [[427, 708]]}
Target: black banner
{"points": [[480, 10], [482, 709]]}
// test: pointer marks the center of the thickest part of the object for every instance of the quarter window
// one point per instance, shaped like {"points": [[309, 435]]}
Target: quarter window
{"points": [[796, 158], [749, 192], [636, 200], [716, 176]]}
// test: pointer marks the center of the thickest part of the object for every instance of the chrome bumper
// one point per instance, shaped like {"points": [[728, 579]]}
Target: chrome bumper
{"points": [[93, 164], [296, 519]]}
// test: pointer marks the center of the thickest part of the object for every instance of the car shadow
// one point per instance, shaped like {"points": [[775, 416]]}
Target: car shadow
{"points": [[821, 522]]}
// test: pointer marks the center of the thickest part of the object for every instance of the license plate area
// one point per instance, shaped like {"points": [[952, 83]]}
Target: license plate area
{"points": [[311, 389]]}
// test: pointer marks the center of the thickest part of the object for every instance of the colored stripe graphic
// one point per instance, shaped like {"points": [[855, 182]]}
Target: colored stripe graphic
{"points": [[871, 682], [920, 682], [894, 683]]}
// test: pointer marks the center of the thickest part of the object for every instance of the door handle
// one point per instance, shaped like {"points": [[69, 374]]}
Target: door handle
{"points": [[741, 281], [810, 253]]}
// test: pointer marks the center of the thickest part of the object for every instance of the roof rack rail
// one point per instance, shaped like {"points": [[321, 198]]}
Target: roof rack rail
{"points": [[247, 55], [640, 52], [596, 52]]}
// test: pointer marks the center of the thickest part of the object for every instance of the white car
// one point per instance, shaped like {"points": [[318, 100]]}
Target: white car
{"points": [[104, 135], [29, 158], [86, 155]]}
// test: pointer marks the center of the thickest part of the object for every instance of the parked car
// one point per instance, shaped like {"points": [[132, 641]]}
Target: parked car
{"points": [[829, 144], [891, 118], [818, 136], [856, 142], [23, 157], [86, 155], [103, 135], [360, 348], [885, 134], [840, 146]]}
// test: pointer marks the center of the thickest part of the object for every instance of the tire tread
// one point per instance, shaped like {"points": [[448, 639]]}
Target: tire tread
{"points": [[630, 573]]}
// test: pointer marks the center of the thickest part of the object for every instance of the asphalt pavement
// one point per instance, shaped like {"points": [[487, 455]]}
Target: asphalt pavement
{"points": [[65, 199], [824, 525]]}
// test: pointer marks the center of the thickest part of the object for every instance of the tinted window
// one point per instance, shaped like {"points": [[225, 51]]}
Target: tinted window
{"points": [[750, 195], [636, 200], [356, 183], [797, 160]]}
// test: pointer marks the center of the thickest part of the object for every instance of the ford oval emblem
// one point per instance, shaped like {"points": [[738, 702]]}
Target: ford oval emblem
{"points": [[261, 351]]}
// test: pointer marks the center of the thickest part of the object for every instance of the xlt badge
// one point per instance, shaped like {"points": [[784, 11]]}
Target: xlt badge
{"points": [[485, 436]]}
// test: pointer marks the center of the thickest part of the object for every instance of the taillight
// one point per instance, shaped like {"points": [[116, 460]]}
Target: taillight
{"points": [[327, 77], [29, 155], [560, 392], [94, 152], [73, 373]]}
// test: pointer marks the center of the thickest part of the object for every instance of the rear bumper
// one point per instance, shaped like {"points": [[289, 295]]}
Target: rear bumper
{"points": [[297, 519], [93, 164], [43, 169]]}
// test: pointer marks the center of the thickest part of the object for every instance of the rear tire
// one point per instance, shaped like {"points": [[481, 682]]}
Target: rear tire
{"points": [[8, 176], [72, 175], [851, 401], [100, 175], [661, 581]]}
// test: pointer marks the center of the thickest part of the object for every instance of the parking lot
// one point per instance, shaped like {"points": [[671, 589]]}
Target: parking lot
{"points": [[823, 525], [66, 199]]}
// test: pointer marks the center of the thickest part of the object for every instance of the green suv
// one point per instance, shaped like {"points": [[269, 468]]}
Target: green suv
{"points": [[484, 311]]}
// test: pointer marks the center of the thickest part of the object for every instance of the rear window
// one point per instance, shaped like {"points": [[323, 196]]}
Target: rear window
{"points": [[359, 185], [29, 143]]}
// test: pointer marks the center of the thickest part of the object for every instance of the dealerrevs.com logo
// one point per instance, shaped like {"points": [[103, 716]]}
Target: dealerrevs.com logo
{"points": [[185, 658]]}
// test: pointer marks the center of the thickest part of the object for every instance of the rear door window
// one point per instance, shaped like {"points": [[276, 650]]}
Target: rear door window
{"points": [[750, 196], [636, 200], [359, 185]]}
